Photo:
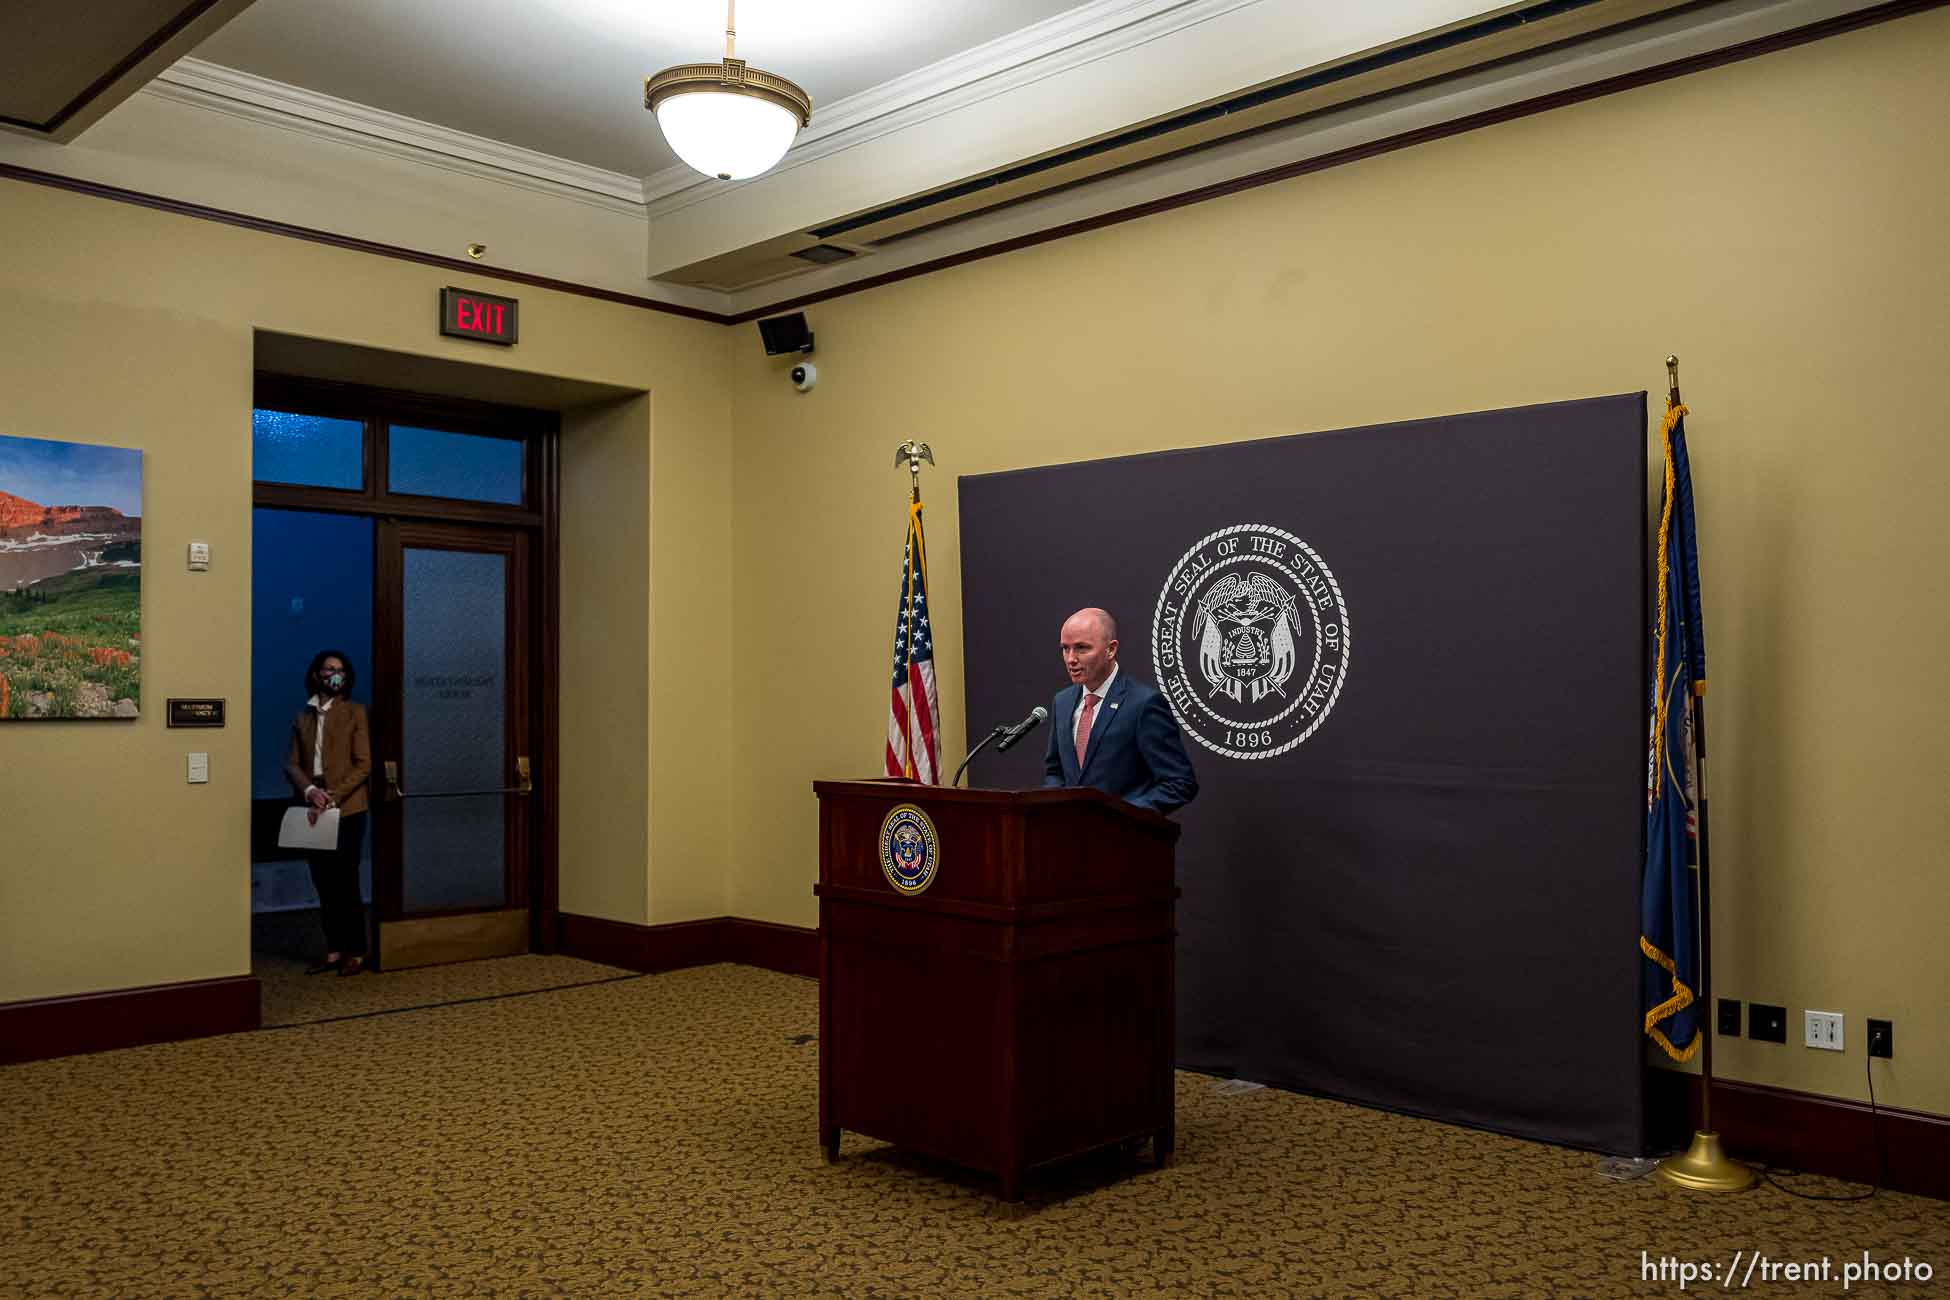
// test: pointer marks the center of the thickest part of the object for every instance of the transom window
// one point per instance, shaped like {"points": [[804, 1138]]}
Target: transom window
{"points": [[331, 446]]}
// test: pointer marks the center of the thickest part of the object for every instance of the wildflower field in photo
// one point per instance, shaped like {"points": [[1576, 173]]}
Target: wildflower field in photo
{"points": [[71, 647]]}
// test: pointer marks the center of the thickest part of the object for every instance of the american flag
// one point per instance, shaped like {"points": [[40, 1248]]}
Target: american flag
{"points": [[915, 714]]}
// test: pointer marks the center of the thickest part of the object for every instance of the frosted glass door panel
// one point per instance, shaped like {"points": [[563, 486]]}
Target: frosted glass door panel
{"points": [[454, 723]]}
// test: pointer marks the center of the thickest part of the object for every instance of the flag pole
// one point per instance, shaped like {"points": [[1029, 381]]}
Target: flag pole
{"points": [[1707, 1022], [1705, 1167], [911, 453]]}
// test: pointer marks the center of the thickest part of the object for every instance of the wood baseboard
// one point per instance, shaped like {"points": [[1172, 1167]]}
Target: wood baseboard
{"points": [[98, 1022], [789, 949], [1819, 1135]]}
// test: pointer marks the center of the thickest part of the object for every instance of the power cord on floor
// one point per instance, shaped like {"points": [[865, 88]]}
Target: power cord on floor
{"points": [[457, 1002], [1882, 1155]]}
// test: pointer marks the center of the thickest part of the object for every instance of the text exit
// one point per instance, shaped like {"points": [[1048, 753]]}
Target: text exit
{"points": [[468, 315]]}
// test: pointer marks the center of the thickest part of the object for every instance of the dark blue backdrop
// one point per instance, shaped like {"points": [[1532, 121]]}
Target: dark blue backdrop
{"points": [[1427, 898]]}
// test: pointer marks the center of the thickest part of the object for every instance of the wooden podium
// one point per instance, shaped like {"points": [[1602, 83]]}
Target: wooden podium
{"points": [[1020, 1008]]}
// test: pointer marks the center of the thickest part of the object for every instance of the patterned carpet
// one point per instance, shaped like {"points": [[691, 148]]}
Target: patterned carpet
{"points": [[657, 1136]]}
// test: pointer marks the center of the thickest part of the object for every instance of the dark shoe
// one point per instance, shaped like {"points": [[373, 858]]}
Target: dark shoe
{"points": [[352, 965], [325, 964]]}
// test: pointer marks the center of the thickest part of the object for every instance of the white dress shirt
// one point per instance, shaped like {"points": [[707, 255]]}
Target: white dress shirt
{"points": [[1076, 719], [323, 707]]}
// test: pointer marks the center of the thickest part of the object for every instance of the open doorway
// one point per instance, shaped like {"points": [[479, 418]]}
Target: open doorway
{"points": [[311, 590], [412, 536]]}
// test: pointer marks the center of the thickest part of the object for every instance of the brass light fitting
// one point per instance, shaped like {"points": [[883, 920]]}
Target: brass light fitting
{"points": [[709, 113]]}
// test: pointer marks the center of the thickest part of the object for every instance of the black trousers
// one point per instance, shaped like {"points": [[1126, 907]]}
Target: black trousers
{"points": [[335, 875]]}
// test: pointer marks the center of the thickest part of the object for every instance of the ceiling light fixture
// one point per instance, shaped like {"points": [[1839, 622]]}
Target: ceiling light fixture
{"points": [[728, 120]]}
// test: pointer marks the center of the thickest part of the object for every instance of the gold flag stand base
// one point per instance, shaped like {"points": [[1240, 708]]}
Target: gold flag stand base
{"points": [[1705, 1168]]}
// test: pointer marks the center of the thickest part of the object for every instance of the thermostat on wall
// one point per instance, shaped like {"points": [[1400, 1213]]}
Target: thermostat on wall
{"points": [[199, 556]]}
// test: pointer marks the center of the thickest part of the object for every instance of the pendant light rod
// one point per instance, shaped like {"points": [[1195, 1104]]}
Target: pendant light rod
{"points": [[730, 29]]}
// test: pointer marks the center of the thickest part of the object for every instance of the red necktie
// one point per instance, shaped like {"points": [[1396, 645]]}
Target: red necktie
{"points": [[1083, 728]]}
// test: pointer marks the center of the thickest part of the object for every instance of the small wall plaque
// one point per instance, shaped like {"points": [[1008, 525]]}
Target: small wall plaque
{"points": [[465, 314], [196, 713]]}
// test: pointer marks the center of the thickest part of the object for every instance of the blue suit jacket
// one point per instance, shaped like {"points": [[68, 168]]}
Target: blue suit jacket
{"points": [[1135, 751]]}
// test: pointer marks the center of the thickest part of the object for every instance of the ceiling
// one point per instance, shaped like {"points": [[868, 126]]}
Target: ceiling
{"points": [[58, 75], [41, 91], [565, 77], [515, 132]]}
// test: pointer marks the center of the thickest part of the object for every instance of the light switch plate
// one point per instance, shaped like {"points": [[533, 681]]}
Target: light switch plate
{"points": [[199, 769]]}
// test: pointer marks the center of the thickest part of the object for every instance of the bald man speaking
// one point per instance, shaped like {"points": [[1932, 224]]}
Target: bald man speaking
{"points": [[1110, 730]]}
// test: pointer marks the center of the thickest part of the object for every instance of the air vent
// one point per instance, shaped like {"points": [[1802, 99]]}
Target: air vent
{"points": [[823, 254]]}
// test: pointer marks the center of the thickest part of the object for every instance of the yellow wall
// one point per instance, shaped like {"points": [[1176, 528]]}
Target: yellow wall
{"points": [[1778, 223], [605, 777], [132, 328]]}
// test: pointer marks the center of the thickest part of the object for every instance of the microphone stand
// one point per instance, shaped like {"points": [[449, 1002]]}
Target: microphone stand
{"points": [[987, 740]]}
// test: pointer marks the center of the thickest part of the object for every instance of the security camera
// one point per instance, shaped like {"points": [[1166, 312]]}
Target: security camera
{"points": [[804, 376]]}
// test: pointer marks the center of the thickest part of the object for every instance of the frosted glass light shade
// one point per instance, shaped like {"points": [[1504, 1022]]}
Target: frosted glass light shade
{"points": [[725, 134]]}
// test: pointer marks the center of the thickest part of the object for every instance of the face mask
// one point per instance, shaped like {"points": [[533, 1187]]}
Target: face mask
{"points": [[335, 682]]}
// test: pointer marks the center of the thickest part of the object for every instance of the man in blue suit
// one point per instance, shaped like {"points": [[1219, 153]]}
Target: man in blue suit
{"points": [[1111, 731]]}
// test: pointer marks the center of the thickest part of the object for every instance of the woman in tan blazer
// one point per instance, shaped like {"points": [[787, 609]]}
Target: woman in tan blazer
{"points": [[329, 763]]}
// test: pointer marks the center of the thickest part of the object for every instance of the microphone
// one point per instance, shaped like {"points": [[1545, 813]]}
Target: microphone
{"points": [[1006, 734], [1021, 729]]}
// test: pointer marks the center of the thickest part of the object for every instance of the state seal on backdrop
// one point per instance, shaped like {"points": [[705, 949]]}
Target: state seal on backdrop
{"points": [[910, 853], [1250, 641]]}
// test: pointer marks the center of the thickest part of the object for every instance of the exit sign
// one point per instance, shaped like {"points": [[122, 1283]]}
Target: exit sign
{"points": [[465, 314]]}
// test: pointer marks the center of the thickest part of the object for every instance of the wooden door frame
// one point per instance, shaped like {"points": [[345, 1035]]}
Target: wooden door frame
{"points": [[539, 516]]}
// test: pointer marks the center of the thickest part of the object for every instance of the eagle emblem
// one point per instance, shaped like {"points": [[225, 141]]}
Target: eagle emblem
{"points": [[909, 849], [1250, 640], [1247, 634]]}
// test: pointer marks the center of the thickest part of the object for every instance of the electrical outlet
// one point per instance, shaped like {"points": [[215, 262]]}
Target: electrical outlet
{"points": [[1822, 1029], [1882, 1039], [1766, 1024], [1730, 1017]]}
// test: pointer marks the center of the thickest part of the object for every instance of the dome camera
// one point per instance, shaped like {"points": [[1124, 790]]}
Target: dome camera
{"points": [[804, 376]]}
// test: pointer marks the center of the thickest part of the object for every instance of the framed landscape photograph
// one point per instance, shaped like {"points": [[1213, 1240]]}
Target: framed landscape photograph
{"points": [[70, 580]]}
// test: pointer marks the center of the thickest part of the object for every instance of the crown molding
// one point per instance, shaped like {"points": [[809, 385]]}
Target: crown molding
{"points": [[1685, 41], [1054, 46], [1742, 30], [275, 103]]}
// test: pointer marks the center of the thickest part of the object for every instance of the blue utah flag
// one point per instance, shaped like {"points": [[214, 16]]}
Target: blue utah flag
{"points": [[1668, 915]]}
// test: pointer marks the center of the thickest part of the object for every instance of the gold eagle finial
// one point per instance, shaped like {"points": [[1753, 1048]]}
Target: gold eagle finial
{"points": [[911, 454]]}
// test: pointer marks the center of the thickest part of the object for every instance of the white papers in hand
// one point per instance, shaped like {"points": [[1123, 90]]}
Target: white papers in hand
{"points": [[299, 831]]}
